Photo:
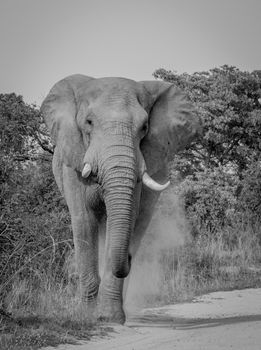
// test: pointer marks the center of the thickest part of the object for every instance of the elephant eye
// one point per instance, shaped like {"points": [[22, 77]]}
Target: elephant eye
{"points": [[89, 122], [144, 128]]}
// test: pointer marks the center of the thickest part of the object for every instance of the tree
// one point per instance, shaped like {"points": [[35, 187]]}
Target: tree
{"points": [[227, 102], [23, 138], [218, 178], [22, 129], [34, 217]]}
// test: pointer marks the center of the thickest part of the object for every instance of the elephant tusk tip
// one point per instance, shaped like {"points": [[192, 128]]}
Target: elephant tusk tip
{"points": [[86, 170], [163, 187], [166, 185]]}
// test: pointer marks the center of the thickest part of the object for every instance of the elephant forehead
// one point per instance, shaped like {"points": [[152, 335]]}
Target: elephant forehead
{"points": [[113, 91], [113, 99]]}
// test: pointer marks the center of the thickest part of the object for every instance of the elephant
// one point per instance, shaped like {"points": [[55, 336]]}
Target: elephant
{"points": [[113, 139]]}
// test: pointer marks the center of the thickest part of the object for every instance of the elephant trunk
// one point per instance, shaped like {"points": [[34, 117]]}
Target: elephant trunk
{"points": [[119, 204], [119, 177]]}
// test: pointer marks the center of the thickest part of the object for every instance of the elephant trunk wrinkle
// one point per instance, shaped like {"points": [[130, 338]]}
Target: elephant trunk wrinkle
{"points": [[118, 167], [117, 174], [119, 227], [119, 184]]}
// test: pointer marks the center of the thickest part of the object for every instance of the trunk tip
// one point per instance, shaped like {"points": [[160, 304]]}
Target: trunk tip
{"points": [[122, 271]]}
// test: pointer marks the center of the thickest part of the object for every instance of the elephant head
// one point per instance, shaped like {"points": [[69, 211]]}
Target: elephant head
{"points": [[118, 133]]}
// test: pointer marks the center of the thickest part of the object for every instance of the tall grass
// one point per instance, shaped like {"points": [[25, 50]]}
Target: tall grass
{"points": [[42, 305], [207, 262], [229, 259], [43, 308]]}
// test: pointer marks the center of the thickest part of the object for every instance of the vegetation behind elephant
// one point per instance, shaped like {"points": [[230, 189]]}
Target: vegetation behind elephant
{"points": [[113, 139]]}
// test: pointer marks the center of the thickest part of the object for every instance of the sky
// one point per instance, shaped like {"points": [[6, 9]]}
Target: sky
{"points": [[43, 41]]}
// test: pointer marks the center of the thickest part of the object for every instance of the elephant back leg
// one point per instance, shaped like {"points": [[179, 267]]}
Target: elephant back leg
{"points": [[148, 202]]}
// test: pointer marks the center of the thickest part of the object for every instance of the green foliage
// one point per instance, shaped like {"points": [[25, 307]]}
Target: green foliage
{"points": [[36, 234], [34, 222], [222, 167], [249, 194], [227, 102], [18, 122], [209, 198], [22, 129]]}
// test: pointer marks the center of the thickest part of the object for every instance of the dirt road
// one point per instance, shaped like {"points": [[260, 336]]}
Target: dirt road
{"points": [[221, 320]]}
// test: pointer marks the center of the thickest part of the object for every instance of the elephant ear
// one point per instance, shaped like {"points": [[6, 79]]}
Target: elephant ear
{"points": [[59, 110], [173, 124]]}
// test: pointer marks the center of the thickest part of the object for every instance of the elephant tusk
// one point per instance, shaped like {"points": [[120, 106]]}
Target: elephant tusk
{"points": [[86, 170], [153, 185]]}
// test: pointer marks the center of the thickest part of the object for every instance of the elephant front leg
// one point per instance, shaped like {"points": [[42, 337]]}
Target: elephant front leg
{"points": [[85, 229], [86, 249], [85, 236], [110, 295]]}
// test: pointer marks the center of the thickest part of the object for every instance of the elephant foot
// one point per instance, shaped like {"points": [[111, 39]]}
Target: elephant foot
{"points": [[112, 313]]}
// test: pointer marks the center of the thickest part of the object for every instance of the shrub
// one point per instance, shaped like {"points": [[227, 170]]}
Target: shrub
{"points": [[35, 227], [209, 199]]}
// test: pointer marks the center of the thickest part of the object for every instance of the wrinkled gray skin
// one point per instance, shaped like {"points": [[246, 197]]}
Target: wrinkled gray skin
{"points": [[121, 129]]}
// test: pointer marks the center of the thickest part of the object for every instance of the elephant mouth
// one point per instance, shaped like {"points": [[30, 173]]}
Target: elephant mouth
{"points": [[146, 178]]}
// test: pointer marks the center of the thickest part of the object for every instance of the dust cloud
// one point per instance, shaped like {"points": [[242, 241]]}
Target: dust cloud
{"points": [[167, 231]]}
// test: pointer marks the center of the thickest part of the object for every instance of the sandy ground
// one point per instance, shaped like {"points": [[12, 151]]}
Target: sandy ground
{"points": [[220, 320]]}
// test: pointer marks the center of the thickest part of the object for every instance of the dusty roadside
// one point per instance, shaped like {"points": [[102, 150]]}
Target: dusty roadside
{"points": [[220, 320]]}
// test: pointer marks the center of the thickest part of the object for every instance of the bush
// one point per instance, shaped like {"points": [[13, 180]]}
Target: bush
{"points": [[209, 199], [249, 198], [35, 227]]}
